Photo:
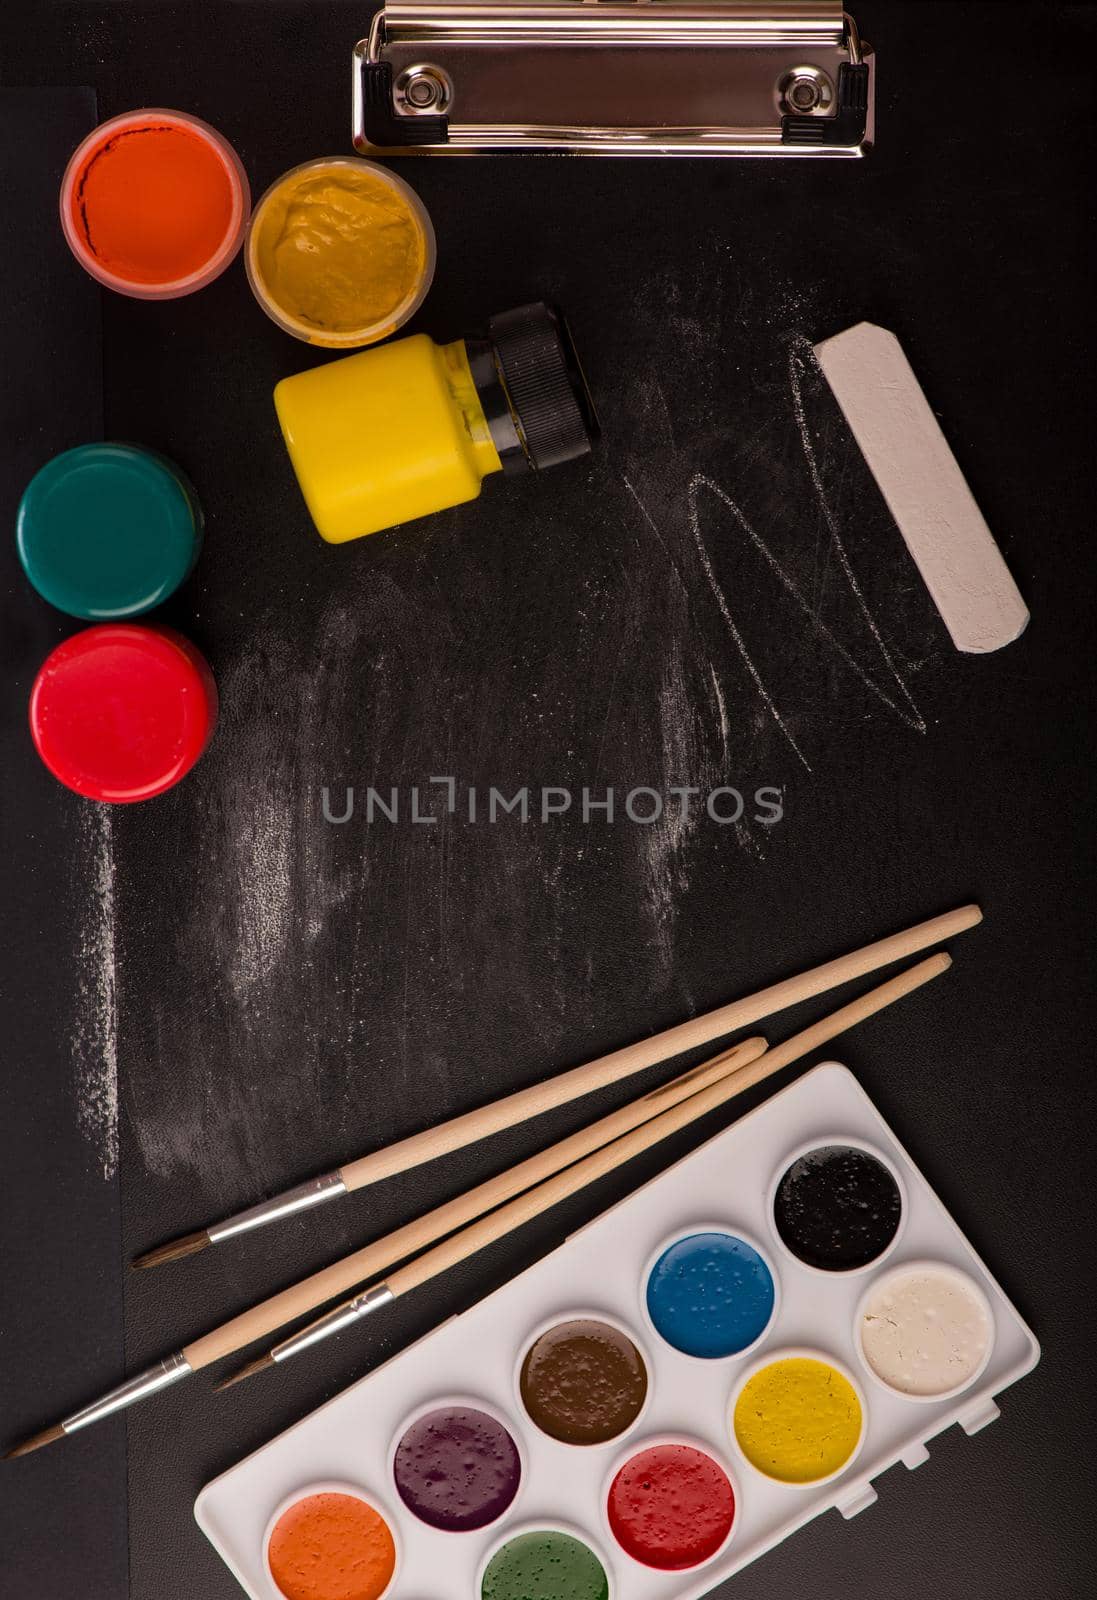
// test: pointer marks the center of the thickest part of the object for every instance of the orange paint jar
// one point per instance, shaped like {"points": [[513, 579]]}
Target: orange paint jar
{"points": [[154, 204], [331, 1544]]}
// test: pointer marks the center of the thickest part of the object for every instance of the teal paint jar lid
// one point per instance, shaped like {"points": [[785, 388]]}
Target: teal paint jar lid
{"points": [[107, 531]]}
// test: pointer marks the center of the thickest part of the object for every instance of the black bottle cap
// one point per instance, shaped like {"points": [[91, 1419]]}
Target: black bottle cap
{"points": [[550, 407]]}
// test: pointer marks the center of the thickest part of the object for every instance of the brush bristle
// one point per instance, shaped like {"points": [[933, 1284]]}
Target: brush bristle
{"points": [[259, 1365], [188, 1246], [47, 1436]]}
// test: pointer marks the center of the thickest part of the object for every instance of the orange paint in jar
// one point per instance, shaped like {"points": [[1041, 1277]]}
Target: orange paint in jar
{"points": [[332, 1545], [154, 204]]}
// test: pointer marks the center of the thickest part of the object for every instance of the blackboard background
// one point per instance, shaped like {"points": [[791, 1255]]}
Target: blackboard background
{"points": [[288, 993]]}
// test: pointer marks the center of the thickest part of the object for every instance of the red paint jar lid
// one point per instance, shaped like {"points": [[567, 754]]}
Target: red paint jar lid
{"points": [[122, 711]]}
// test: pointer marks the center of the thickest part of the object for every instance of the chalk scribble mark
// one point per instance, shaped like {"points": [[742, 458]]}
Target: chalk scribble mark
{"points": [[801, 356], [902, 704]]}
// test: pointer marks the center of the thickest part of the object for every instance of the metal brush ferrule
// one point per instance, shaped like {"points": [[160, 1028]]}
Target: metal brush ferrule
{"points": [[303, 1198], [161, 1376], [335, 1321]]}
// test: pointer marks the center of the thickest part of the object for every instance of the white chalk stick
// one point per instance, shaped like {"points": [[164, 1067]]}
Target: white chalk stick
{"points": [[925, 490]]}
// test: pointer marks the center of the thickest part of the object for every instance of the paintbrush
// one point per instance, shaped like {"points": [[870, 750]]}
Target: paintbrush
{"points": [[301, 1298], [325, 1285], [599, 1074], [532, 1203]]}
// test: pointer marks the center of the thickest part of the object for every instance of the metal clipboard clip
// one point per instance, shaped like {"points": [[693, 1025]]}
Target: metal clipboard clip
{"points": [[614, 77]]}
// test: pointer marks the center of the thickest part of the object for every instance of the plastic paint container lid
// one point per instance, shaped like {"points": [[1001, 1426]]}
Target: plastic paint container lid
{"points": [[122, 711], [318, 266], [154, 204], [108, 531]]}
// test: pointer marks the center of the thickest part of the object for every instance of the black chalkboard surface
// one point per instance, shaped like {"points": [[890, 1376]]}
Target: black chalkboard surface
{"points": [[689, 608]]}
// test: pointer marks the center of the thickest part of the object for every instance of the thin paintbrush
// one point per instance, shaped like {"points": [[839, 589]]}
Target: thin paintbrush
{"points": [[301, 1298], [567, 1086], [325, 1285], [535, 1201]]}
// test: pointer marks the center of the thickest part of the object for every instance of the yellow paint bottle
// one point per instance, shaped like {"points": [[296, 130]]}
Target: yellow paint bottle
{"points": [[412, 427]]}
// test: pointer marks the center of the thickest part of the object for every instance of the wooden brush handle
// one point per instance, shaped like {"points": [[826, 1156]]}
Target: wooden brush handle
{"points": [[374, 1258], [528, 1206], [298, 1300], [599, 1074]]}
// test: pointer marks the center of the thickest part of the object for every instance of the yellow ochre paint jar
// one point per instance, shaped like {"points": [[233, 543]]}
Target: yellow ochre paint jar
{"points": [[340, 252], [413, 427]]}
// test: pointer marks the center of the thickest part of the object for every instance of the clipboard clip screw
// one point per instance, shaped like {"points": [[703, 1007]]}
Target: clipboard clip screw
{"points": [[805, 92], [423, 91]]}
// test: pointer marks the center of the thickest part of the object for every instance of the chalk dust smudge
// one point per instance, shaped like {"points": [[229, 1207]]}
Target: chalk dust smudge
{"points": [[693, 754], [664, 841], [271, 918], [264, 904], [748, 841], [94, 1042]]}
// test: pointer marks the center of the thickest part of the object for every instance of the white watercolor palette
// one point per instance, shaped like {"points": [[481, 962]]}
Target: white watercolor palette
{"points": [[602, 1272]]}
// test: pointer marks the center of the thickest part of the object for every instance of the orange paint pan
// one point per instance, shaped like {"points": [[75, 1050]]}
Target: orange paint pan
{"points": [[154, 204]]}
